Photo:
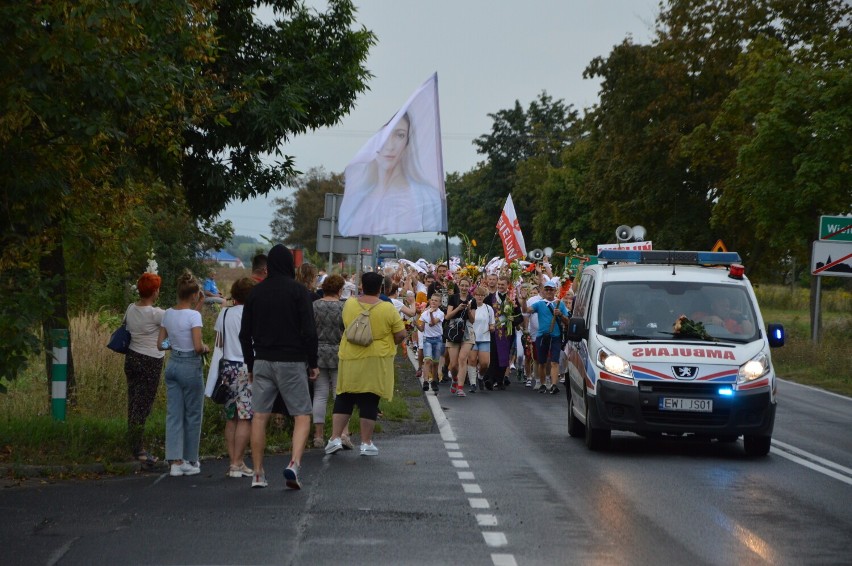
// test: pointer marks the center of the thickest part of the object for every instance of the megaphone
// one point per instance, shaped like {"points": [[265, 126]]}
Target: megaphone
{"points": [[548, 251], [623, 233], [536, 254], [639, 233]]}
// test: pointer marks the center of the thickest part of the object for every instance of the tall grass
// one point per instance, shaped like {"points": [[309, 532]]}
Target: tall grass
{"points": [[96, 423]]}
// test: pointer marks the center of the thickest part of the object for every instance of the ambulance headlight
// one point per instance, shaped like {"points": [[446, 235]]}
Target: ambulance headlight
{"points": [[614, 364], [753, 369]]}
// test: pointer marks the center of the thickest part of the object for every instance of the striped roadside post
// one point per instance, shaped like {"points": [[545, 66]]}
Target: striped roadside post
{"points": [[59, 373]]}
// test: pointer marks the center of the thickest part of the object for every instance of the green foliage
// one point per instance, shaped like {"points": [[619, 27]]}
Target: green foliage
{"points": [[23, 305], [165, 113], [299, 73]]}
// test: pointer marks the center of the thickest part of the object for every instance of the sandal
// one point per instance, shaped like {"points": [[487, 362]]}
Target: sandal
{"points": [[146, 460]]}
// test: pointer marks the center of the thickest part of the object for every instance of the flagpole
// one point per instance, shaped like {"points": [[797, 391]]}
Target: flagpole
{"points": [[447, 244]]}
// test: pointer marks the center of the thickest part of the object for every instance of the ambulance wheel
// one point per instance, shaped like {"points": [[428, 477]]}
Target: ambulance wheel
{"points": [[756, 445], [575, 427], [596, 438]]}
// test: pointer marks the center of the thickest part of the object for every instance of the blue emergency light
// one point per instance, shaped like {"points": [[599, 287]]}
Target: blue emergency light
{"points": [[668, 257]]}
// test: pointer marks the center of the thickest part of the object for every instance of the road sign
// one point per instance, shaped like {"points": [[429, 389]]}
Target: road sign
{"points": [[835, 228], [831, 258], [332, 205], [719, 246], [342, 244]]}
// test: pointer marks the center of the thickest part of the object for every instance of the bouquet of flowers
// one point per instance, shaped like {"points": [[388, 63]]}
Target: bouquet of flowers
{"points": [[686, 328]]}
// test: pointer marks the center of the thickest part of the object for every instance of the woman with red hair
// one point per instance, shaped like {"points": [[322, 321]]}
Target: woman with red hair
{"points": [[143, 363]]}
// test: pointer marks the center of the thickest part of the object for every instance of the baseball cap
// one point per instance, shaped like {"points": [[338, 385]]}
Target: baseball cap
{"points": [[551, 284]]}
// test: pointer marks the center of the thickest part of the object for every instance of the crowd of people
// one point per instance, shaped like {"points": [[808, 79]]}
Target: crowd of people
{"points": [[286, 346]]}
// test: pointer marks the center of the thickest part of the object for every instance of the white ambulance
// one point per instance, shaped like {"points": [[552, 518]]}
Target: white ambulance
{"points": [[670, 343]]}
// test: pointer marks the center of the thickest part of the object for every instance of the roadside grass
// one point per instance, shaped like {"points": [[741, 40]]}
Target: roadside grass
{"points": [[826, 364], [96, 422]]}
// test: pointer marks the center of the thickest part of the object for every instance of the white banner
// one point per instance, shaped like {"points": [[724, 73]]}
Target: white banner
{"points": [[510, 233], [395, 183], [627, 246]]}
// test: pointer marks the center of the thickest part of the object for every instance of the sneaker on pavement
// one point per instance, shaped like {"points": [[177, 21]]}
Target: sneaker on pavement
{"points": [[176, 470], [334, 445], [190, 468], [473, 388], [319, 442], [554, 390], [259, 480], [460, 392], [347, 443], [542, 388], [434, 386], [369, 449], [562, 379], [425, 385], [291, 476], [241, 471], [528, 383], [453, 389]]}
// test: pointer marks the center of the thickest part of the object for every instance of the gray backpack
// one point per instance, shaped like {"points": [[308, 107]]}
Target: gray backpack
{"points": [[359, 331]]}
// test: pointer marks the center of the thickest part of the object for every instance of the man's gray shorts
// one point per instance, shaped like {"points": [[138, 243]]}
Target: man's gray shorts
{"points": [[290, 378]]}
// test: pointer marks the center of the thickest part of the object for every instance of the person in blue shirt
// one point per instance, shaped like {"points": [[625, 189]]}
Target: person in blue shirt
{"points": [[211, 291], [548, 342]]}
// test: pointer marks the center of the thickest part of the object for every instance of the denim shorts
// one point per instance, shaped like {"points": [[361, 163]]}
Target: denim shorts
{"points": [[547, 348], [484, 346], [433, 348]]}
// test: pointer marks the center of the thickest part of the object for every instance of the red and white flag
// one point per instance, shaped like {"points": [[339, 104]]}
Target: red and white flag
{"points": [[395, 183], [510, 233]]}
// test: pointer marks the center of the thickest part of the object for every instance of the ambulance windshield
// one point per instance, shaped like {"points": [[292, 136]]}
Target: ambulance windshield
{"points": [[680, 310]]}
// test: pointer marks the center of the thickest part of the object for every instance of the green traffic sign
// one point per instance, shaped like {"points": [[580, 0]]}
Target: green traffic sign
{"points": [[835, 228]]}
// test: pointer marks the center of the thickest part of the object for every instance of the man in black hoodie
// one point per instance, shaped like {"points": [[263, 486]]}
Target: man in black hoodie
{"points": [[279, 342]]}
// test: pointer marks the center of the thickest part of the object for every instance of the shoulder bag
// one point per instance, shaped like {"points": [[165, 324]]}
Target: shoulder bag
{"points": [[456, 327], [221, 392], [119, 341], [359, 331]]}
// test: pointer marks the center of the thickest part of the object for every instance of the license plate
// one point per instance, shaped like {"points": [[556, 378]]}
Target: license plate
{"points": [[681, 404]]}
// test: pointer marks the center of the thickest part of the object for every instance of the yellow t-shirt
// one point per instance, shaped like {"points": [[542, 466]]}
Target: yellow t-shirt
{"points": [[369, 369]]}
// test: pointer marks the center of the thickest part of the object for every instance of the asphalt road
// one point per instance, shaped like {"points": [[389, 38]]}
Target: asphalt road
{"points": [[497, 482]]}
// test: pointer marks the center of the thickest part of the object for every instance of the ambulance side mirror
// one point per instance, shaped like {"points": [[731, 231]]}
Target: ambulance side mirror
{"points": [[775, 333], [577, 330]]}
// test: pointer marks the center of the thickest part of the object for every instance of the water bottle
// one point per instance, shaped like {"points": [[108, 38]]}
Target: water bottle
{"points": [[165, 344]]}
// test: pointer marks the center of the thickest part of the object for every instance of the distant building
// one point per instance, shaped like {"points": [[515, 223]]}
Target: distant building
{"points": [[223, 259]]}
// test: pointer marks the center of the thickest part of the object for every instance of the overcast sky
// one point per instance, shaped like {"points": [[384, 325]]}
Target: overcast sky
{"points": [[487, 54]]}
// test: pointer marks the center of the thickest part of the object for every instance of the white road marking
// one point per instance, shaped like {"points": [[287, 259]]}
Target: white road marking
{"points": [[455, 454], [486, 520], [471, 488], [479, 503], [451, 445], [503, 560], [460, 463], [466, 475], [817, 389], [812, 461], [495, 539]]}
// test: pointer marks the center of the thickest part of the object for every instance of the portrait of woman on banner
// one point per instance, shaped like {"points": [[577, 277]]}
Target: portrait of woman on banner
{"points": [[388, 191]]}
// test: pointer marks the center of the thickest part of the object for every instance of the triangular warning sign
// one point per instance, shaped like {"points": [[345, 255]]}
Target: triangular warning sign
{"points": [[719, 247]]}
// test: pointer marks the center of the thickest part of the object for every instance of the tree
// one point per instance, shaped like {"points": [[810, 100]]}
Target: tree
{"points": [[145, 107], [93, 96], [541, 131], [295, 220], [786, 131], [301, 72]]}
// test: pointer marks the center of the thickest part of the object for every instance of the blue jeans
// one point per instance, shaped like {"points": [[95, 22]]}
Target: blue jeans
{"points": [[184, 406]]}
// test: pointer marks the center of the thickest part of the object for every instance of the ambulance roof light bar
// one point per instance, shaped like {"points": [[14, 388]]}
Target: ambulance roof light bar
{"points": [[668, 257]]}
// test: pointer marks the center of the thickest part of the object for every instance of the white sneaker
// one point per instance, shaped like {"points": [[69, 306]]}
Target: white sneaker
{"points": [[334, 445], [369, 449], [176, 470], [190, 468]]}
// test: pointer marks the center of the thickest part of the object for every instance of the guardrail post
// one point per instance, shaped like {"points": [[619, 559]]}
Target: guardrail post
{"points": [[59, 373]]}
